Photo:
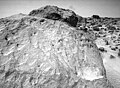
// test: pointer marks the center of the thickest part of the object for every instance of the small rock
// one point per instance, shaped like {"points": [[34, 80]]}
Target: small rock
{"points": [[119, 53], [112, 57], [102, 49]]}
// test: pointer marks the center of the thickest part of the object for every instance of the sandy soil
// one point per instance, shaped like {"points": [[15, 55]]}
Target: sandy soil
{"points": [[112, 66], [113, 75]]}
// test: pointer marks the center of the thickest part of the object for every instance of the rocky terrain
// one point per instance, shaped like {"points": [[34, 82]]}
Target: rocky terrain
{"points": [[107, 31], [53, 47]]}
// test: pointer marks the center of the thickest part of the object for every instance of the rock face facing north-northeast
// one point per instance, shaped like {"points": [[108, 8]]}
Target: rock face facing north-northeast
{"points": [[41, 51]]}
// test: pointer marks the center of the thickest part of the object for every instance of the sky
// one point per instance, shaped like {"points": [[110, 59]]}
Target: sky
{"points": [[85, 8]]}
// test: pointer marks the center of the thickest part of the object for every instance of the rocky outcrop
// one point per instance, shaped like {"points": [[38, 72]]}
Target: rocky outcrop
{"points": [[45, 52], [55, 13]]}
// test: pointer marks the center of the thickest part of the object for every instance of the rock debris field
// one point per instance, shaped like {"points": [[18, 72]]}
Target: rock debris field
{"points": [[52, 47]]}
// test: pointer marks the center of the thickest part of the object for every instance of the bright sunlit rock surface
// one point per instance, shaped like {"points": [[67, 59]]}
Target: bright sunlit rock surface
{"points": [[46, 49]]}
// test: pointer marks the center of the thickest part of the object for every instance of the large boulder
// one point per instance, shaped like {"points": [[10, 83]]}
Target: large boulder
{"points": [[37, 52]]}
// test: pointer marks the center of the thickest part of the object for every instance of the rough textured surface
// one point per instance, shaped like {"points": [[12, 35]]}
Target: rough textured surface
{"points": [[55, 13], [107, 31], [36, 52]]}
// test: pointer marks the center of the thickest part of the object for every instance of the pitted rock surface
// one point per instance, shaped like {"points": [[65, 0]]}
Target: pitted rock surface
{"points": [[37, 52], [55, 13]]}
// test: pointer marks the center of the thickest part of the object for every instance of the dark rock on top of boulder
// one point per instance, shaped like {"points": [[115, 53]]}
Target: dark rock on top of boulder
{"points": [[55, 13]]}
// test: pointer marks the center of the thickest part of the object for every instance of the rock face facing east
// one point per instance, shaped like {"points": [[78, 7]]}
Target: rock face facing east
{"points": [[41, 50]]}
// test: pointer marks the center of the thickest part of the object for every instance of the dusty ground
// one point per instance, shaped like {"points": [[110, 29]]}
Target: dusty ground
{"points": [[112, 66], [113, 75]]}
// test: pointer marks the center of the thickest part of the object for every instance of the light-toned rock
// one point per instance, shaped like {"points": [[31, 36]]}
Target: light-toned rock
{"points": [[53, 55]]}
